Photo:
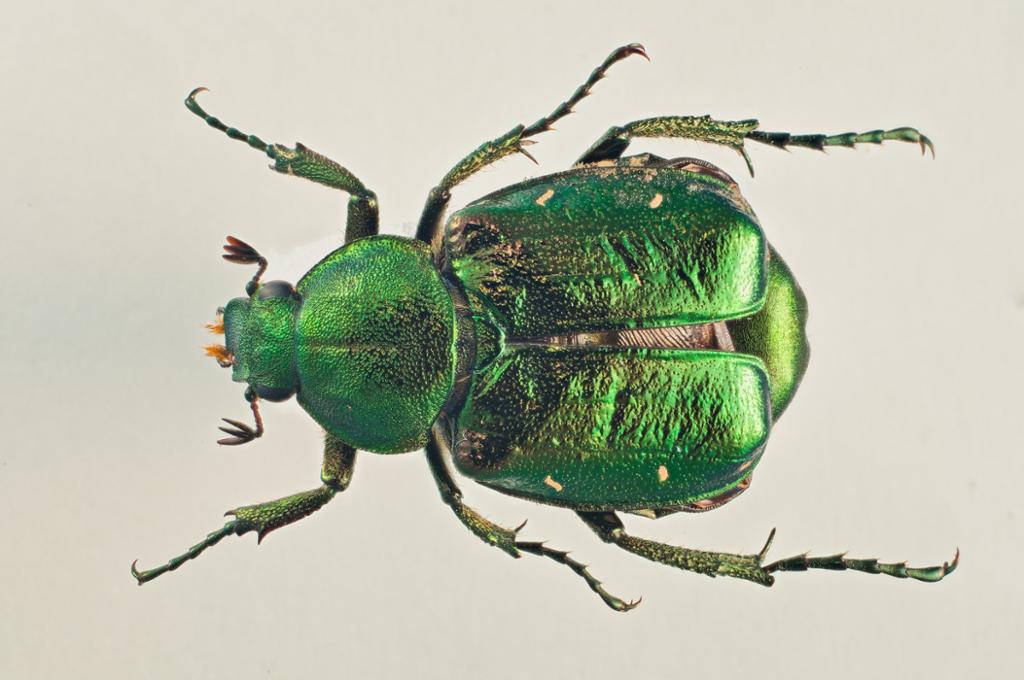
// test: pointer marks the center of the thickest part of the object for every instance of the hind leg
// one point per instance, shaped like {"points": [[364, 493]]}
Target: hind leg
{"points": [[733, 134], [751, 567]]}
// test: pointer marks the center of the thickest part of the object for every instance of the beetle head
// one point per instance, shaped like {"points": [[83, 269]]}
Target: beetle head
{"points": [[259, 340]]}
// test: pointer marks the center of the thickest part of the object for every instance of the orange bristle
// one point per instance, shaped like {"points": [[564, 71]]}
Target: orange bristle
{"points": [[216, 327], [218, 352]]}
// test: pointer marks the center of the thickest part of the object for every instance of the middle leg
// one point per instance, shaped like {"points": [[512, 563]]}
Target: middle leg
{"points": [[509, 143], [499, 536]]}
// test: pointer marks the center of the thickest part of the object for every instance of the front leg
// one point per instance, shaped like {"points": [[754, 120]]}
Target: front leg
{"points": [[363, 212], [509, 143], [335, 475]]}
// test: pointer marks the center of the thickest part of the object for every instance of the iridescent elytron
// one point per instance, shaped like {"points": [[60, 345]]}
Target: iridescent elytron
{"points": [[616, 337]]}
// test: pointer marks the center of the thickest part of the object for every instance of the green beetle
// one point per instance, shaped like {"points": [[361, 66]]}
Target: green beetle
{"points": [[616, 337]]}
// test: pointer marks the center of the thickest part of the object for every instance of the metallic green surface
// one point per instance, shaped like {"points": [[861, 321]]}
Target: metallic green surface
{"points": [[596, 248], [568, 334], [260, 334], [488, 333], [375, 343], [603, 428], [610, 247], [776, 334]]}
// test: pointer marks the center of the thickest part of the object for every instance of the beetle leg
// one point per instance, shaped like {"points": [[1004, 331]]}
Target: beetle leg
{"points": [[503, 538], [785, 140], [613, 143], [485, 529], [263, 518], [609, 527], [363, 212], [509, 143], [562, 557], [871, 566]]}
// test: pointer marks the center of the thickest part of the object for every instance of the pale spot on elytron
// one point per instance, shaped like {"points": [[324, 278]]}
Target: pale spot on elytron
{"points": [[656, 201], [662, 473], [552, 483], [543, 198], [745, 465]]}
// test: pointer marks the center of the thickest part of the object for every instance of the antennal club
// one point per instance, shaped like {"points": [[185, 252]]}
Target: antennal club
{"points": [[239, 431], [240, 252]]}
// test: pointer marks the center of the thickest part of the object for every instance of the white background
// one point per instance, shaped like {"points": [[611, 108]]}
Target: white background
{"points": [[904, 441]]}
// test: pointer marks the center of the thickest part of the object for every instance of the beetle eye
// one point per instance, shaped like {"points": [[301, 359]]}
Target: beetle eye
{"points": [[273, 393], [274, 289]]}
